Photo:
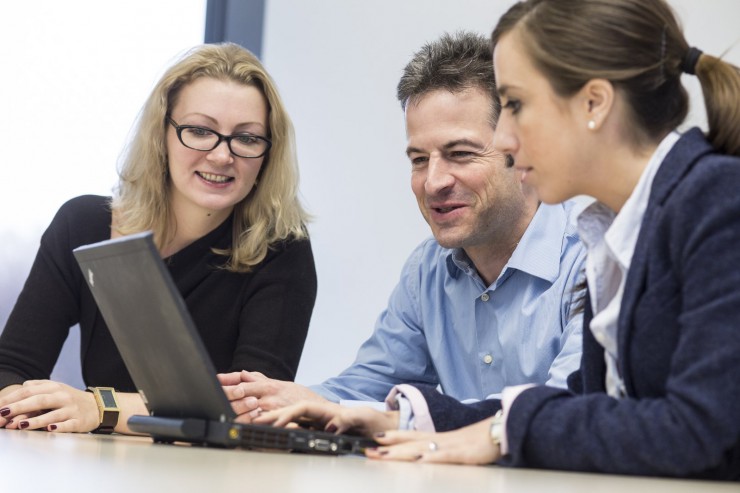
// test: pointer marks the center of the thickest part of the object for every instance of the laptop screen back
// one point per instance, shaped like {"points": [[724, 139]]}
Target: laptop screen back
{"points": [[152, 328]]}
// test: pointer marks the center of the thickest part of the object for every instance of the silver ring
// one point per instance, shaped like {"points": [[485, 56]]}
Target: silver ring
{"points": [[433, 447]]}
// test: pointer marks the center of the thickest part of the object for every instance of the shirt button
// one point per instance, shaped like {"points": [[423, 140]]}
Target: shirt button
{"points": [[485, 297], [488, 359]]}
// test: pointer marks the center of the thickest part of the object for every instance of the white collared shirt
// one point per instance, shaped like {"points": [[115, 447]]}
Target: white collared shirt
{"points": [[610, 239]]}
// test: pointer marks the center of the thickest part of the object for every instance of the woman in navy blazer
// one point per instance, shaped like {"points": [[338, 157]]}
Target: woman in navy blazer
{"points": [[591, 99]]}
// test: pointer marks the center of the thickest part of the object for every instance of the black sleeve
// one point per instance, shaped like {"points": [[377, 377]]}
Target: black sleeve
{"points": [[274, 319]]}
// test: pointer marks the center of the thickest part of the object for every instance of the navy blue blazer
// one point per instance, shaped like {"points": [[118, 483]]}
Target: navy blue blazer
{"points": [[679, 345]]}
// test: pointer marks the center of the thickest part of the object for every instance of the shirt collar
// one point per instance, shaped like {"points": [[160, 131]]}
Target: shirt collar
{"points": [[458, 261], [538, 251]]}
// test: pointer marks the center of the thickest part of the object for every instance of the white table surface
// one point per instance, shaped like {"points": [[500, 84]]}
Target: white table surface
{"points": [[48, 462]]}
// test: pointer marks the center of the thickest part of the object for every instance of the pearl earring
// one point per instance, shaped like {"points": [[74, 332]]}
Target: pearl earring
{"points": [[591, 125]]}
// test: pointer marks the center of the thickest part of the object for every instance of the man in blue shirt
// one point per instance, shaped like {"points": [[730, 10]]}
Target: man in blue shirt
{"points": [[487, 302]]}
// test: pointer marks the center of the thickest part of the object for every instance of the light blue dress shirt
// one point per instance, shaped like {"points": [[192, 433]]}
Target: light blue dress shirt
{"points": [[444, 327]]}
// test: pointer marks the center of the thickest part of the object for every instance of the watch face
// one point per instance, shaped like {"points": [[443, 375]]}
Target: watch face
{"points": [[108, 399]]}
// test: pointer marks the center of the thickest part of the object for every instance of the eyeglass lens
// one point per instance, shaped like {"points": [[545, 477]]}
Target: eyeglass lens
{"points": [[203, 139]]}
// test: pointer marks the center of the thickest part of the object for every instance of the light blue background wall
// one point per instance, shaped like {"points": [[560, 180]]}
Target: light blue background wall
{"points": [[77, 74], [74, 76]]}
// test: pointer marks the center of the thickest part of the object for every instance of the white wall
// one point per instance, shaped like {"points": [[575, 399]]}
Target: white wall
{"points": [[76, 73], [337, 65]]}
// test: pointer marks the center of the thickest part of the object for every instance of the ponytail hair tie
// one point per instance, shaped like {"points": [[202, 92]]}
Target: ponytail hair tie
{"points": [[688, 64]]}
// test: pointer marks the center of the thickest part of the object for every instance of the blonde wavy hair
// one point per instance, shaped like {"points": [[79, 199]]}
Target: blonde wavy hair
{"points": [[270, 213]]}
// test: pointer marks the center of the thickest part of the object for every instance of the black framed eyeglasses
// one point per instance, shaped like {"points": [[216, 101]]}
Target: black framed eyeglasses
{"points": [[205, 139]]}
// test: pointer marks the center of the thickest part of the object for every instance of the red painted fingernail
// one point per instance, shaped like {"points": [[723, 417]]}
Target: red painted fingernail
{"points": [[4, 412], [383, 452], [52, 427], [380, 434], [331, 429], [23, 425]]}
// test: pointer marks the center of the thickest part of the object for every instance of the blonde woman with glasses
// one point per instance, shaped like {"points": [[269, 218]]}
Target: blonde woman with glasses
{"points": [[211, 170]]}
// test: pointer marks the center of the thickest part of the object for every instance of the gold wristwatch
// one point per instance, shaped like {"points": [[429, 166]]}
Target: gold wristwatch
{"points": [[108, 410]]}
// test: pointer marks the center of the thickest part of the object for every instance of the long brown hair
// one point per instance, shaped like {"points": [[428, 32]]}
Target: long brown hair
{"points": [[639, 46]]}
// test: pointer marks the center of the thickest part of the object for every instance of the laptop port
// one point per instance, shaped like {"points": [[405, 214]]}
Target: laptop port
{"points": [[322, 445]]}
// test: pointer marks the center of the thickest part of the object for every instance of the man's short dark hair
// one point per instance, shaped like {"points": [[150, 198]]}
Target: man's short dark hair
{"points": [[454, 62]]}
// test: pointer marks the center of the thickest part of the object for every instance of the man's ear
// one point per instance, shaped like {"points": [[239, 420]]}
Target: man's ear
{"points": [[596, 101]]}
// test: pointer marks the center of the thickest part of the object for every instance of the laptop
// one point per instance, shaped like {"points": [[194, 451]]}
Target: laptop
{"points": [[167, 360]]}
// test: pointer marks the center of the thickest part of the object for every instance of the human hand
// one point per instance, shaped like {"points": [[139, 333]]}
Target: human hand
{"points": [[469, 445], [53, 406], [332, 417], [8, 423], [252, 393]]}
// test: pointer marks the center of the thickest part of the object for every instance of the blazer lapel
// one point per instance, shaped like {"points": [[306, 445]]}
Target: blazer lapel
{"points": [[687, 150]]}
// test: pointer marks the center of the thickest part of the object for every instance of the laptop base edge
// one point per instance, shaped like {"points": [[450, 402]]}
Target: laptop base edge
{"points": [[231, 435]]}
